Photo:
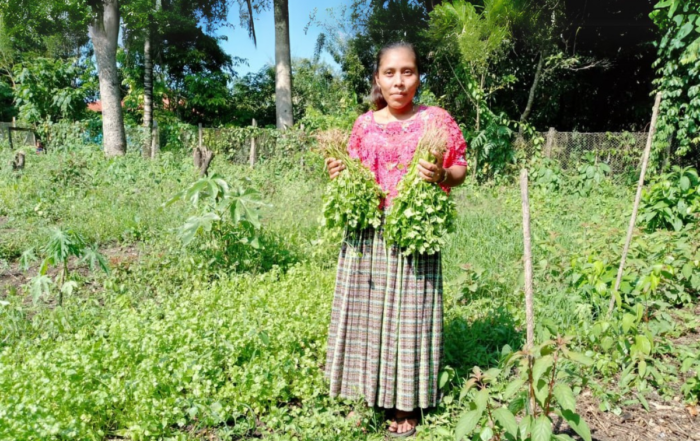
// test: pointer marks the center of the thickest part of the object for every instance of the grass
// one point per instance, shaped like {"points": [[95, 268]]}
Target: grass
{"points": [[170, 346]]}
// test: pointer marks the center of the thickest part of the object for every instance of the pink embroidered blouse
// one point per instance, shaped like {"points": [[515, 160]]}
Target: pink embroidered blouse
{"points": [[387, 149]]}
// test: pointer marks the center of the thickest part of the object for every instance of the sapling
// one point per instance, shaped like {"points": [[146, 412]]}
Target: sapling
{"points": [[501, 411], [61, 246], [352, 199], [422, 214]]}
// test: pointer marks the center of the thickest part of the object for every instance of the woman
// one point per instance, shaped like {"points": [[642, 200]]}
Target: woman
{"points": [[385, 337]]}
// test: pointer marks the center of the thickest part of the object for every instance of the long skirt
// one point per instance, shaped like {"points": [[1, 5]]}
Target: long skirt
{"points": [[385, 338]]}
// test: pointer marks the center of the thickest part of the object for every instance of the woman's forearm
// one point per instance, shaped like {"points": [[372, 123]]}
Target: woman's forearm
{"points": [[455, 176]]}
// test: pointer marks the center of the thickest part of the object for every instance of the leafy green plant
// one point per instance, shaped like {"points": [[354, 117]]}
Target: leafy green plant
{"points": [[678, 70], [422, 214], [60, 247], [534, 394], [227, 216], [691, 368], [352, 199], [546, 174], [53, 89], [591, 174], [672, 200], [492, 147]]}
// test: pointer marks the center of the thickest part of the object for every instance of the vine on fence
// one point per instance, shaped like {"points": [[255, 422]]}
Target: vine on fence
{"points": [[678, 66]]}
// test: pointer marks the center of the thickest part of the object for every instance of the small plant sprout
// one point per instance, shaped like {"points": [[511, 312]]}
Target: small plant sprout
{"points": [[422, 214], [61, 246], [352, 199]]}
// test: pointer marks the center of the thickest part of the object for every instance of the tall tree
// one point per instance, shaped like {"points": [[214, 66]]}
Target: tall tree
{"points": [[283, 61], [104, 33]]}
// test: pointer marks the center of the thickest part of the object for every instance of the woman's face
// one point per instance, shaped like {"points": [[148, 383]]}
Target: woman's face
{"points": [[398, 79]]}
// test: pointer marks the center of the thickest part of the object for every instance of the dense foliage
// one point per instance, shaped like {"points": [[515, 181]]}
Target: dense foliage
{"points": [[177, 342], [52, 89], [678, 68]]}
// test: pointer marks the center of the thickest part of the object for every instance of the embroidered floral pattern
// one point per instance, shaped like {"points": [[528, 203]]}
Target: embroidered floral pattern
{"points": [[387, 149]]}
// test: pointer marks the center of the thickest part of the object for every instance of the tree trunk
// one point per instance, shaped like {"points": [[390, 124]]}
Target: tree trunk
{"points": [[104, 33], [149, 146], [531, 97], [283, 60], [478, 105]]}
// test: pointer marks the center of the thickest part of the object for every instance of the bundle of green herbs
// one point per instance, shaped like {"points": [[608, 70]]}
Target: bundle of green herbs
{"points": [[352, 198], [421, 214]]}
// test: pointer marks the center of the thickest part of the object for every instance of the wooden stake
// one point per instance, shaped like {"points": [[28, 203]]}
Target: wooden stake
{"points": [[529, 300], [200, 136], [252, 147], [529, 309], [550, 142], [637, 199]]}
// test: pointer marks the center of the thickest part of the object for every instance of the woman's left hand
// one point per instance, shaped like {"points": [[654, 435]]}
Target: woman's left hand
{"points": [[431, 172]]}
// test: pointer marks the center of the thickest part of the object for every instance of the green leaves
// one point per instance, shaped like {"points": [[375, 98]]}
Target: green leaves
{"points": [[53, 89], [565, 396], [672, 200], [506, 420], [577, 423], [541, 429], [678, 70], [218, 201], [467, 423], [421, 215], [352, 199]]}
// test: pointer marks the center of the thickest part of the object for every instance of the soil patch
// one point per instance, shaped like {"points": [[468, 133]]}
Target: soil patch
{"points": [[664, 420], [13, 277]]}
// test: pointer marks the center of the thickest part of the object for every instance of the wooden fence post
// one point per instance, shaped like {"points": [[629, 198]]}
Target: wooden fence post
{"points": [[14, 122], [550, 142], [637, 199], [252, 147], [529, 294], [200, 136]]}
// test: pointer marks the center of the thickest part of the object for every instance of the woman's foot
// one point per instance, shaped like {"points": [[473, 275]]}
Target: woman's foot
{"points": [[404, 424]]}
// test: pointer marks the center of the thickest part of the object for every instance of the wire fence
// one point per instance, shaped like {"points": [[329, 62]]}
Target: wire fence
{"points": [[622, 151], [20, 136], [243, 145]]}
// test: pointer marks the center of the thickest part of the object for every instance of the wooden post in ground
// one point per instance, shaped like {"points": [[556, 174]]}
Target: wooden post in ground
{"points": [[252, 147], [637, 199], [550, 142], [14, 122], [529, 295], [529, 308]]}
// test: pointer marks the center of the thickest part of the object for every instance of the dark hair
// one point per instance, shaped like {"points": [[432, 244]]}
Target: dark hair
{"points": [[375, 96]]}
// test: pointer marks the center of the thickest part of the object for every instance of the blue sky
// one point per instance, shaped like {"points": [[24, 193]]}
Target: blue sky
{"points": [[302, 45]]}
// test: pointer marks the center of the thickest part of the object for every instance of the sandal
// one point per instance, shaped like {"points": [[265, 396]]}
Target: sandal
{"points": [[407, 433]]}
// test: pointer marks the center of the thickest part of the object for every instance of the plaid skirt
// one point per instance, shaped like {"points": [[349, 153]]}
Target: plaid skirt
{"points": [[385, 337]]}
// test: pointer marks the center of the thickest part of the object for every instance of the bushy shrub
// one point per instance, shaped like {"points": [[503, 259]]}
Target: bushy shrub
{"points": [[672, 201]]}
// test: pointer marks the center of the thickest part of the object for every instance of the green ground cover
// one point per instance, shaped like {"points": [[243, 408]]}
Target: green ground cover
{"points": [[179, 343]]}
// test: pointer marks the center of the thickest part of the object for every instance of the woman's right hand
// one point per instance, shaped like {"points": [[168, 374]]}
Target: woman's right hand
{"points": [[335, 166]]}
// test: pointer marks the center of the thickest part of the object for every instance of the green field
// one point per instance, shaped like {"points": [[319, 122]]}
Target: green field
{"points": [[188, 343]]}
